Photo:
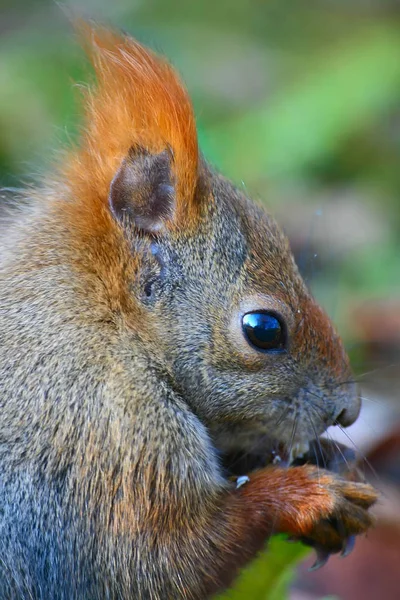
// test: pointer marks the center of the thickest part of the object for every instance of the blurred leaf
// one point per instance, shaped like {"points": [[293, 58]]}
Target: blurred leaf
{"points": [[268, 576], [374, 270], [345, 90], [37, 93]]}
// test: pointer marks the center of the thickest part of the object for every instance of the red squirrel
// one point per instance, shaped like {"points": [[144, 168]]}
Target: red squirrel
{"points": [[153, 325]]}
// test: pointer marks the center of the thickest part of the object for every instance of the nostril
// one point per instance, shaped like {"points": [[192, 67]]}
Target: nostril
{"points": [[342, 418], [348, 415]]}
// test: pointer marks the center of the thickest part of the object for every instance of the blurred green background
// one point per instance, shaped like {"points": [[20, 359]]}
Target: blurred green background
{"points": [[296, 101]]}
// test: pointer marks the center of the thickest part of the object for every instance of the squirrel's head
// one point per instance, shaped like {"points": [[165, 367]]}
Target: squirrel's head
{"points": [[201, 279]]}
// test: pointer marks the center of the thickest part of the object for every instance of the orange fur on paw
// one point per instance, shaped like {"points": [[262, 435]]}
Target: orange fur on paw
{"points": [[300, 501]]}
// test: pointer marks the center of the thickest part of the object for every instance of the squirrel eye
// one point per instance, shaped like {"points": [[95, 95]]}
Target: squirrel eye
{"points": [[265, 331]]}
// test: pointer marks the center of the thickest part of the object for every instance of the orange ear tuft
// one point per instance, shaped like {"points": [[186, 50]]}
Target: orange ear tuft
{"points": [[138, 101]]}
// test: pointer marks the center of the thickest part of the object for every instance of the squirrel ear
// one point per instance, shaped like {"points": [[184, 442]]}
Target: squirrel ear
{"points": [[139, 114], [142, 193]]}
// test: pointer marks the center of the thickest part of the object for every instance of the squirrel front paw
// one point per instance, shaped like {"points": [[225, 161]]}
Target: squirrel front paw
{"points": [[312, 505], [343, 513]]}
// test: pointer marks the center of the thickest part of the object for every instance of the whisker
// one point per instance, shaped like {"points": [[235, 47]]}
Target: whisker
{"points": [[374, 400], [360, 453], [290, 447], [338, 448], [283, 415], [378, 369], [318, 443], [318, 408], [315, 433], [293, 433], [357, 378], [315, 408], [327, 386], [258, 443]]}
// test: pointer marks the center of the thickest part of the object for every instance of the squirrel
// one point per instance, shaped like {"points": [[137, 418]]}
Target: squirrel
{"points": [[153, 324]]}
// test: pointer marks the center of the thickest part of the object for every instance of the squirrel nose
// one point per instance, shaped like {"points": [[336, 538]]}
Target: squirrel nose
{"points": [[349, 415]]}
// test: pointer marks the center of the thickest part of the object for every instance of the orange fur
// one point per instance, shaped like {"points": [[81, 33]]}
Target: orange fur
{"points": [[138, 101], [294, 499]]}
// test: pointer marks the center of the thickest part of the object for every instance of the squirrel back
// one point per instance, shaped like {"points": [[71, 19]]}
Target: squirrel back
{"points": [[153, 322]]}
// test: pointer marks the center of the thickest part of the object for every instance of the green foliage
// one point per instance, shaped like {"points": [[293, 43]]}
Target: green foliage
{"points": [[269, 576], [306, 122]]}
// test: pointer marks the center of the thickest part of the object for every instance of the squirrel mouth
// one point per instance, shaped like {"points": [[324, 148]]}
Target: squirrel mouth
{"points": [[272, 453], [322, 452]]}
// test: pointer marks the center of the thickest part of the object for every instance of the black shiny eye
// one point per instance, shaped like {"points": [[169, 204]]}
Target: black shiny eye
{"points": [[265, 331]]}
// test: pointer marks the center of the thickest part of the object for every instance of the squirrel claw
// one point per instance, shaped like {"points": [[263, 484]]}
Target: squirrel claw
{"points": [[348, 546], [322, 559]]}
